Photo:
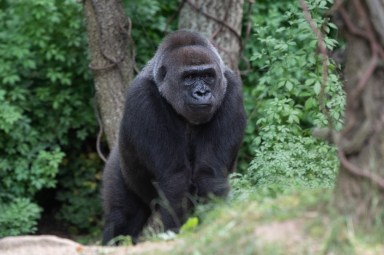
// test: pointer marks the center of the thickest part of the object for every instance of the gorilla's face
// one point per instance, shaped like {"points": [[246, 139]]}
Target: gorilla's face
{"points": [[191, 79]]}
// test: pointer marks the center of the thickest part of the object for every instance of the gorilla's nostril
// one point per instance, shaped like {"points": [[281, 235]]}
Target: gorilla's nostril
{"points": [[202, 93]]}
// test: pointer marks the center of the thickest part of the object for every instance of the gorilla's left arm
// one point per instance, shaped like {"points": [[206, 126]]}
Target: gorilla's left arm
{"points": [[220, 141]]}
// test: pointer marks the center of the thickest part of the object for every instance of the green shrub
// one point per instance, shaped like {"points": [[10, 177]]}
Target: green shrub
{"points": [[79, 196], [18, 217], [282, 98], [46, 110]]}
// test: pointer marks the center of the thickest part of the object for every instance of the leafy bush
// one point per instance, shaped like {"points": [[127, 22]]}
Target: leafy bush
{"points": [[46, 113], [18, 217], [81, 205], [282, 98]]}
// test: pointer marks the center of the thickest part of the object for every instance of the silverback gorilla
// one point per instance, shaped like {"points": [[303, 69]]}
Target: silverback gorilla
{"points": [[182, 127]]}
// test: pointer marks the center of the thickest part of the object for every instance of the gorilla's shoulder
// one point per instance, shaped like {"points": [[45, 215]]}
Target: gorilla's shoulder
{"points": [[143, 101], [232, 78], [143, 88]]}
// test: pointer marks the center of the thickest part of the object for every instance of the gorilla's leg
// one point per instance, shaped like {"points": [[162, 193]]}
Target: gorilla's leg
{"points": [[174, 204], [127, 217], [124, 212]]}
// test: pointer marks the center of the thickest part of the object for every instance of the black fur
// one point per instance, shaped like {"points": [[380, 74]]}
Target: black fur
{"points": [[174, 142]]}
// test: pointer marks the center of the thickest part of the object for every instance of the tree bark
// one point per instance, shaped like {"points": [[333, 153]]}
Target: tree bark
{"points": [[220, 20], [108, 32], [359, 190]]}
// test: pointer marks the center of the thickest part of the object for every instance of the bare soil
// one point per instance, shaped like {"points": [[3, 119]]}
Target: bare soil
{"points": [[52, 245]]}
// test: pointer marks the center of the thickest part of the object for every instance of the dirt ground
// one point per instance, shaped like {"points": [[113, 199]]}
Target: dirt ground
{"points": [[52, 245]]}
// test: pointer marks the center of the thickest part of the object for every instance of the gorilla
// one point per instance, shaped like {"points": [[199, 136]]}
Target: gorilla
{"points": [[181, 130]]}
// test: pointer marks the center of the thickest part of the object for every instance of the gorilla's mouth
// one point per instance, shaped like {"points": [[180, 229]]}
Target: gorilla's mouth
{"points": [[199, 113], [200, 106]]}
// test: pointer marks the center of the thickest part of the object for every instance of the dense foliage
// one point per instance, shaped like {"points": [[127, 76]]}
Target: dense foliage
{"points": [[282, 98], [18, 217], [46, 114]]}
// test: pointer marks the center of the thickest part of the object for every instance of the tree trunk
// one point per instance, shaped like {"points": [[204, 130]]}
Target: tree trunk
{"points": [[359, 189], [220, 20], [108, 36]]}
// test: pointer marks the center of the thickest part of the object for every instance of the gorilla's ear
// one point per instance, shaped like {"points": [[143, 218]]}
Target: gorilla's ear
{"points": [[160, 74]]}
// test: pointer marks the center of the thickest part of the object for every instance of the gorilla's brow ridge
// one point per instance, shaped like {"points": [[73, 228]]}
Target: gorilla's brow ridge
{"points": [[179, 41]]}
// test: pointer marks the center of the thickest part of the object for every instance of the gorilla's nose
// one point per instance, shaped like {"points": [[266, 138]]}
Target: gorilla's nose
{"points": [[202, 93]]}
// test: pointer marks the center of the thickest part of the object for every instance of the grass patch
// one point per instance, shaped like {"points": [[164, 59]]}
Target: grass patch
{"points": [[299, 222]]}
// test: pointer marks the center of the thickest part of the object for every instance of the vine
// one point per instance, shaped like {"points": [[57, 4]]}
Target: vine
{"points": [[345, 141]]}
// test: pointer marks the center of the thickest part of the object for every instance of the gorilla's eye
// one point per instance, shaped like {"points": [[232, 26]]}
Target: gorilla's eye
{"points": [[162, 73], [206, 75], [208, 78], [189, 79]]}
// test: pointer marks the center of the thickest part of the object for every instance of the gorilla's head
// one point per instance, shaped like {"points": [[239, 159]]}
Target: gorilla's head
{"points": [[189, 74]]}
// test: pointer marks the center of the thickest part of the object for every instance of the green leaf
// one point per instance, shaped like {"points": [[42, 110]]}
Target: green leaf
{"points": [[289, 85], [317, 87], [190, 225]]}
